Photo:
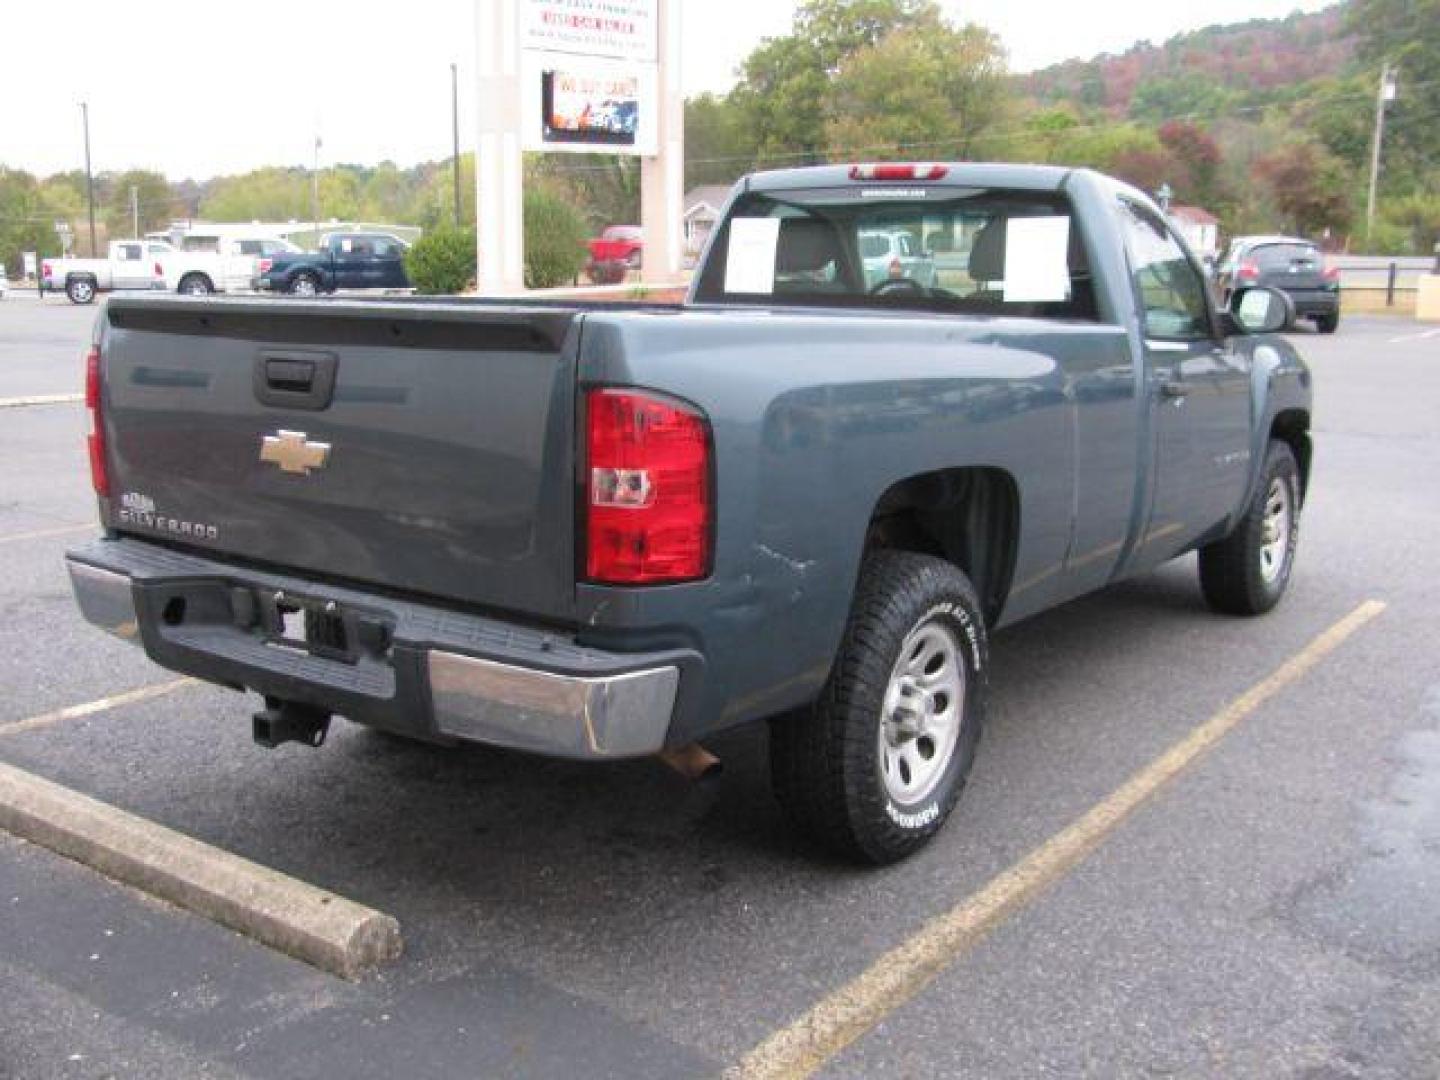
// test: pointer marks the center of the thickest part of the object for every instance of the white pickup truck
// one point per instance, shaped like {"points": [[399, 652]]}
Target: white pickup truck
{"points": [[129, 264], [208, 263]]}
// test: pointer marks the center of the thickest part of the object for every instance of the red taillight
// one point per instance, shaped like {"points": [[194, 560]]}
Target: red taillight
{"points": [[95, 440], [159, 270], [1331, 273], [647, 469], [892, 172], [45, 270], [265, 265], [1248, 271], [896, 269]]}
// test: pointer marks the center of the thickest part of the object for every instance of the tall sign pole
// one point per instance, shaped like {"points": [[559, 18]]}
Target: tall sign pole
{"points": [[499, 204], [89, 179], [662, 177]]}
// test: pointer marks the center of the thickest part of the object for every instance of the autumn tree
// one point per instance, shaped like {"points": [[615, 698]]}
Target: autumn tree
{"points": [[1309, 187]]}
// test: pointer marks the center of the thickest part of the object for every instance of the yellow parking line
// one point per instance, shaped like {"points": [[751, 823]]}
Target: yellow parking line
{"points": [[90, 708], [40, 534], [806, 1044], [40, 399]]}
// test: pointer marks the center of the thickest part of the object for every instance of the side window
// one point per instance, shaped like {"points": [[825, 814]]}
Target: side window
{"points": [[386, 249], [129, 252], [1172, 292]]}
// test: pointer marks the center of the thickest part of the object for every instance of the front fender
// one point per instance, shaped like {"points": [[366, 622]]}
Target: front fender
{"points": [[1280, 383]]}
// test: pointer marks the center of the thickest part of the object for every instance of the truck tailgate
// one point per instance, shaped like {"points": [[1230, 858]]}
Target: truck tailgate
{"points": [[420, 447]]}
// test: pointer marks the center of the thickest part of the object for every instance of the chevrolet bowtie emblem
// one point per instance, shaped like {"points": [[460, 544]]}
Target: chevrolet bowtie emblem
{"points": [[293, 452]]}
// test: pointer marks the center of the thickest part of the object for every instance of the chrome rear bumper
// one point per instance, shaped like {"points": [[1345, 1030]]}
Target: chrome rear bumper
{"points": [[605, 706]]}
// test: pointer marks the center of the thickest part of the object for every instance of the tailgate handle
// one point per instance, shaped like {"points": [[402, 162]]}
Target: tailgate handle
{"points": [[295, 380]]}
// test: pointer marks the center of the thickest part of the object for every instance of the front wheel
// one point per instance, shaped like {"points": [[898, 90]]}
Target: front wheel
{"points": [[1247, 572], [875, 767], [195, 285]]}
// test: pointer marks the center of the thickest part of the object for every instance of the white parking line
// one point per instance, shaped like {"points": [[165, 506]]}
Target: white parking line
{"points": [[41, 534], [90, 708], [1421, 335], [40, 399], [804, 1046]]}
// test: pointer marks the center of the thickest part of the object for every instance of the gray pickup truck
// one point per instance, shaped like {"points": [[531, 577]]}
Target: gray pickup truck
{"points": [[601, 531]]}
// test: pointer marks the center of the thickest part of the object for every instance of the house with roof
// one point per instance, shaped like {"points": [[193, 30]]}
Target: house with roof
{"points": [[1200, 228], [703, 205]]}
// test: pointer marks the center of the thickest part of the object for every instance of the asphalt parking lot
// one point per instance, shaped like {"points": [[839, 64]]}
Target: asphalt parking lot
{"points": [[1271, 911]]}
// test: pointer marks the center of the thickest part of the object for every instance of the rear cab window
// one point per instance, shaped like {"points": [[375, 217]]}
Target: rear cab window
{"points": [[943, 249]]}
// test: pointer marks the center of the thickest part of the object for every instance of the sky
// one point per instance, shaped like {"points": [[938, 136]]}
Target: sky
{"points": [[219, 86]]}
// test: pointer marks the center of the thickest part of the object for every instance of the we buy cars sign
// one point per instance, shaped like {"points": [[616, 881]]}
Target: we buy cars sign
{"points": [[618, 29]]}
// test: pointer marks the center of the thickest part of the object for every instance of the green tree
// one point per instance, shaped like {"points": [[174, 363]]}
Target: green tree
{"points": [[1406, 34], [931, 91], [153, 196], [555, 235], [719, 145]]}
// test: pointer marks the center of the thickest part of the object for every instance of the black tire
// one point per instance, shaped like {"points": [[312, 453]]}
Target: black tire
{"points": [[1328, 323], [827, 764], [80, 290], [1233, 571], [304, 284], [195, 285]]}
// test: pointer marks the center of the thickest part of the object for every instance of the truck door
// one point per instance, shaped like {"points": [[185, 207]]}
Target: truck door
{"points": [[1199, 393], [129, 267], [389, 264]]}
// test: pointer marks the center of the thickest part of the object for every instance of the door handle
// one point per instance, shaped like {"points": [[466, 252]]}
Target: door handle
{"points": [[1173, 389]]}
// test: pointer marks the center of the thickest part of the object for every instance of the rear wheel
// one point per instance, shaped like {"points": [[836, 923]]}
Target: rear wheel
{"points": [[80, 290], [305, 285], [1328, 323], [1247, 572], [875, 767], [196, 285]]}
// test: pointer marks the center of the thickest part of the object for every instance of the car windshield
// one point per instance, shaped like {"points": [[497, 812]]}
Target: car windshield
{"points": [[1005, 252], [1284, 256]]}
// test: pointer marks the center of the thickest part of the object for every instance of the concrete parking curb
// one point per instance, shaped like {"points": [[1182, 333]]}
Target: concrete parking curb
{"points": [[328, 931]]}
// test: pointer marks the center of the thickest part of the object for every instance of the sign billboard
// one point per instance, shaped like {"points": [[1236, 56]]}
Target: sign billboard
{"points": [[589, 76], [620, 29]]}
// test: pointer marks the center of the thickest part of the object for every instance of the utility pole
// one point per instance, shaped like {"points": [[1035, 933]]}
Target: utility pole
{"points": [[1383, 96], [135, 210], [455, 134], [315, 192], [89, 179]]}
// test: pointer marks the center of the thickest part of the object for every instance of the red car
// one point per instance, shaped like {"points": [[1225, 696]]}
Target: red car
{"points": [[618, 243]]}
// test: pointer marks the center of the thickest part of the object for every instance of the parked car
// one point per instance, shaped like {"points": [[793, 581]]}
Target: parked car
{"points": [[208, 263], [600, 532], [894, 256], [128, 264], [618, 243], [345, 260], [1290, 264], [4, 283]]}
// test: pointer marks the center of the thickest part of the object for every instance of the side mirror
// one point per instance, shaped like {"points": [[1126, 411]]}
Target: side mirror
{"points": [[1261, 310]]}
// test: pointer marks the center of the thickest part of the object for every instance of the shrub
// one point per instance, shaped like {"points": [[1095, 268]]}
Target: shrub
{"points": [[555, 235], [442, 261]]}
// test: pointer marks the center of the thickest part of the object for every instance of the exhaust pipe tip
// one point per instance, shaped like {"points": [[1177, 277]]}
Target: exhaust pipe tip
{"points": [[692, 761]]}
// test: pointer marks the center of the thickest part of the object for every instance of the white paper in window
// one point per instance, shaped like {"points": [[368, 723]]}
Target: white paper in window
{"points": [[750, 258], [1036, 264]]}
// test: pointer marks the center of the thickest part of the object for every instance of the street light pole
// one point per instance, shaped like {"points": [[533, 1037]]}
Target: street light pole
{"points": [[1384, 95], [135, 210], [89, 179], [455, 135]]}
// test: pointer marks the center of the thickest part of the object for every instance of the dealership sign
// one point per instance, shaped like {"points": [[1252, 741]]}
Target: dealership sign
{"points": [[589, 76], [622, 29]]}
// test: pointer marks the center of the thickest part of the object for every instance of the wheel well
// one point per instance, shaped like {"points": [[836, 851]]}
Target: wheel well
{"points": [[196, 274], [969, 516], [1292, 427]]}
